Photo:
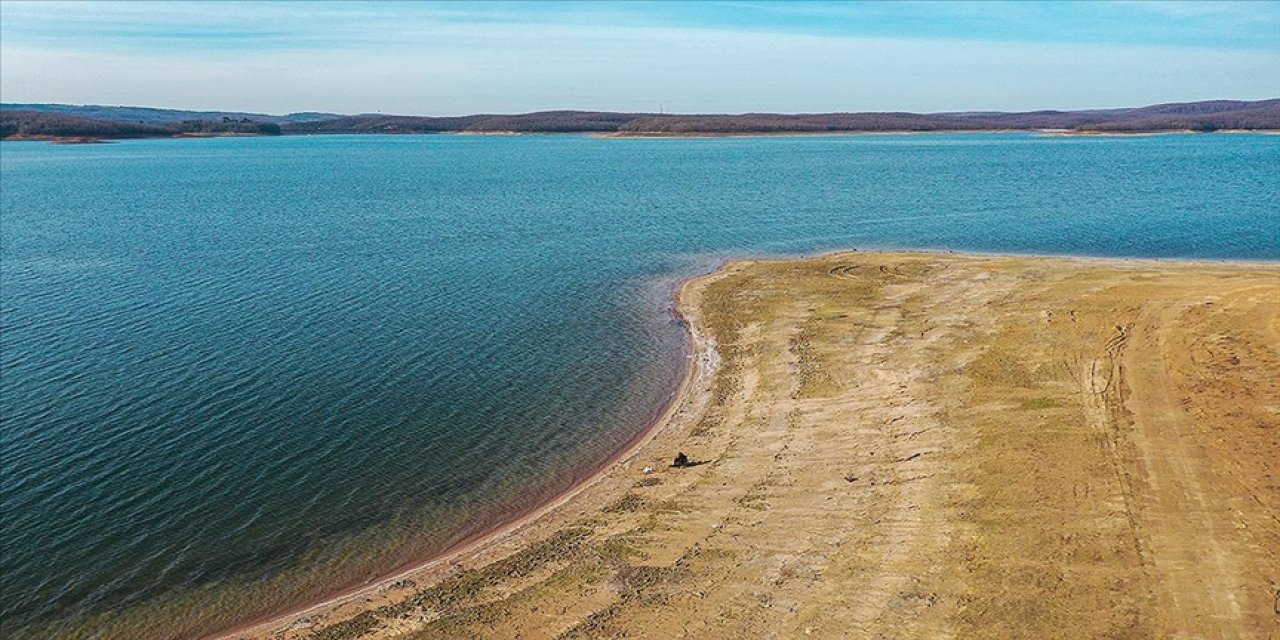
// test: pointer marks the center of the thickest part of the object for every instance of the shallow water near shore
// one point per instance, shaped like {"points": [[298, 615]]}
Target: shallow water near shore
{"points": [[240, 374]]}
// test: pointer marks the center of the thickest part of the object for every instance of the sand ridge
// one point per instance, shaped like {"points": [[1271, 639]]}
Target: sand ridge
{"points": [[913, 445]]}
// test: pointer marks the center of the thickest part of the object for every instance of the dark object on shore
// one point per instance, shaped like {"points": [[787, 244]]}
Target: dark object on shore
{"points": [[681, 460]]}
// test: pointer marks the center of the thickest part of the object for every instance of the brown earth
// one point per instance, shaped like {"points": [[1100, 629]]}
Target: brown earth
{"points": [[914, 446]]}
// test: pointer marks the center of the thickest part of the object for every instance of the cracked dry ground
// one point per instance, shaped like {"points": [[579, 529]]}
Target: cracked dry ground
{"points": [[929, 446]]}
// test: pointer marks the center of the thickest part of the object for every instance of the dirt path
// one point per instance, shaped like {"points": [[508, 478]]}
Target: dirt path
{"points": [[916, 446]]}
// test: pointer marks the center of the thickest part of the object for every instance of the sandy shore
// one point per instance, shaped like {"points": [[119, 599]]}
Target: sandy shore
{"points": [[910, 445]]}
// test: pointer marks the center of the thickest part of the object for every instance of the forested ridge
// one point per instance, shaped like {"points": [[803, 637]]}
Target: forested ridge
{"points": [[93, 121]]}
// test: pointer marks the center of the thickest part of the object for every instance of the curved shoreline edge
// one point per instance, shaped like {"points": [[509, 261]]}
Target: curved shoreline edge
{"points": [[701, 362], [977, 280]]}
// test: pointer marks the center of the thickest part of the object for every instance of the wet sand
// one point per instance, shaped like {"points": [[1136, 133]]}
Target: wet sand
{"points": [[910, 445]]}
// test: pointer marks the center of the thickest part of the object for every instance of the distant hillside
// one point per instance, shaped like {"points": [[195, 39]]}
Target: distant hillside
{"points": [[35, 124], [121, 122], [1191, 109], [802, 123], [541, 122], [148, 115], [1204, 116], [1264, 114]]}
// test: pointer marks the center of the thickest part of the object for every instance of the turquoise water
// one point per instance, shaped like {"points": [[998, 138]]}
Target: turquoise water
{"points": [[242, 373]]}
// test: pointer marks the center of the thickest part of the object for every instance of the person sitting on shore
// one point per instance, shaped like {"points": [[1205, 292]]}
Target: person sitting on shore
{"points": [[681, 460]]}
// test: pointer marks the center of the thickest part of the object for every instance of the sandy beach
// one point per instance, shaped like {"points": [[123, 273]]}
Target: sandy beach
{"points": [[909, 445]]}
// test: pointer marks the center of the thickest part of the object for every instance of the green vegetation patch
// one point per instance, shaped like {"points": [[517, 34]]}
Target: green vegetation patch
{"points": [[1039, 403], [755, 498], [351, 628], [629, 503], [451, 594], [1000, 367]]}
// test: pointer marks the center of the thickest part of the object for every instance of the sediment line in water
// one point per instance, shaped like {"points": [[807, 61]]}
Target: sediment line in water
{"points": [[700, 361]]}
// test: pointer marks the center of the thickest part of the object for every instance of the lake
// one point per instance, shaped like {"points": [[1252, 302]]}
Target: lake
{"points": [[243, 373]]}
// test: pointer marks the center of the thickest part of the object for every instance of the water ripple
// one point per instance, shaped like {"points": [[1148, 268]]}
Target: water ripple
{"points": [[239, 372]]}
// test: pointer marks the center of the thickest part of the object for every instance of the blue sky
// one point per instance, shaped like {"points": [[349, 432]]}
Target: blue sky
{"points": [[503, 57]]}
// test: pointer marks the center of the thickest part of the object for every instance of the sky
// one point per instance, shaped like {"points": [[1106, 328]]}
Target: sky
{"points": [[449, 58]]}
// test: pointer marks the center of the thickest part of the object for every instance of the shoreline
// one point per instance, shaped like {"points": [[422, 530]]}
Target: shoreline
{"points": [[700, 364], [927, 340]]}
